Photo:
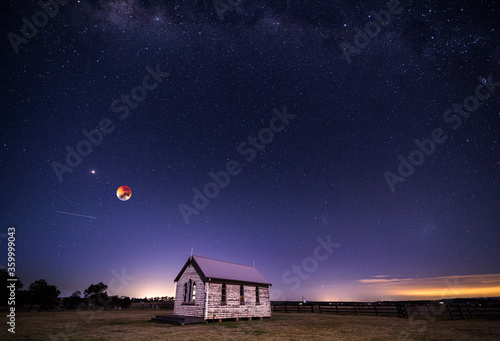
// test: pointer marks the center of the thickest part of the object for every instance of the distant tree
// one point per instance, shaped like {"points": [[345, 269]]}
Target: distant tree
{"points": [[44, 294], [114, 301], [5, 290], [23, 297], [120, 301], [125, 302], [97, 295], [73, 301]]}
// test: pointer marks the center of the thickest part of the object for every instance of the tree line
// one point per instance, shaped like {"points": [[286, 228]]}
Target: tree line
{"points": [[46, 296]]}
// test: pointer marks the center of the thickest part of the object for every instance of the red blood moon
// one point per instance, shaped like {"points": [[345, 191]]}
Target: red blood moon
{"points": [[123, 193]]}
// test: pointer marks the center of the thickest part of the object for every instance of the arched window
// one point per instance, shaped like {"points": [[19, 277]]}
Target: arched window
{"points": [[194, 291], [190, 288], [185, 291], [257, 297], [242, 294], [223, 296]]}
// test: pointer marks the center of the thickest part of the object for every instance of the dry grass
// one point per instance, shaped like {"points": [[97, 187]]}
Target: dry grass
{"points": [[134, 326]]}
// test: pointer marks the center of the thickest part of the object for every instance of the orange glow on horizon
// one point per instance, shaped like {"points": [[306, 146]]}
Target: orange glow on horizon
{"points": [[431, 288], [437, 287], [151, 289], [457, 292], [377, 288]]}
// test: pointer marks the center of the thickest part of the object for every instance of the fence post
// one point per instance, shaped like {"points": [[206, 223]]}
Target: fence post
{"points": [[376, 312], [355, 309], [337, 308], [400, 309], [470, 311], [450, 312], [461, 311], [405, 306]]}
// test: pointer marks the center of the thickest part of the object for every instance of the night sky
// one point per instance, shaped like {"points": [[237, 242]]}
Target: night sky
{"points": [[307, 124]]}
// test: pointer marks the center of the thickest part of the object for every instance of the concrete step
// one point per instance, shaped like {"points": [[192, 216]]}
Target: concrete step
{"points": [[177, 319]]}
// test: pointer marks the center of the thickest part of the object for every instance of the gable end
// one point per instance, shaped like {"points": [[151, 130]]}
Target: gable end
{"points": [[195, 266]]}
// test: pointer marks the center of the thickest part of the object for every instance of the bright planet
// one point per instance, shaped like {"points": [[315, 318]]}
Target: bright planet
{"points": [[123, 193]]}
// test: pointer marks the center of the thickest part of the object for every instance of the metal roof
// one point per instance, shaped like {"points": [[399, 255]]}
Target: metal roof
{"points": [[217, 269]]}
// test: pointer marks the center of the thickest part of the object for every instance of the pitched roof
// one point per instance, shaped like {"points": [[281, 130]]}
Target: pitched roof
{"points": [[217, 269]]}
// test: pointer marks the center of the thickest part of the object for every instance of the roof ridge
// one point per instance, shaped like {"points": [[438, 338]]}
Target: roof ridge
{"points": [[224, 261]]}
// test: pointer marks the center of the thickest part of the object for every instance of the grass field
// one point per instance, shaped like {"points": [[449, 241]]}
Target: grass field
{"points": [[134, 326]]}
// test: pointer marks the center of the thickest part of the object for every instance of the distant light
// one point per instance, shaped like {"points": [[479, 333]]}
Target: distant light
{"points": [[92, 171]]}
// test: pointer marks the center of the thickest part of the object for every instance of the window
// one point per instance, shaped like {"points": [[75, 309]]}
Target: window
{"points": [[223, 296], [190, 287], [185, 291], [257, 298], [194, 291], [242, 294]]}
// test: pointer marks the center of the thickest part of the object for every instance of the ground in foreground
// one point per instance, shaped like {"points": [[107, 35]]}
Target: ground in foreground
{"points": [[134, 326]]}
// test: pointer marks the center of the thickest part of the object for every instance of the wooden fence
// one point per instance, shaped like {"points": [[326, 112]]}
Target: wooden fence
{"points": [[153, 305], [446, 311], [378, 310], [464, 311]]}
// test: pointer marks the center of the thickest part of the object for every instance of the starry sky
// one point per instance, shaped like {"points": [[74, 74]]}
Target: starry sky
{"points": [[274, 133]]}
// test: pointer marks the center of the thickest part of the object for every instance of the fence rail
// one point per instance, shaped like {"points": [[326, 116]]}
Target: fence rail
{"points": [[378, 310], [403, 310], [153, 305], [465, 312]]}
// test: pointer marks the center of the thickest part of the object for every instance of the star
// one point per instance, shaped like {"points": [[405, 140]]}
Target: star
{"points": [[244, 164]]}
